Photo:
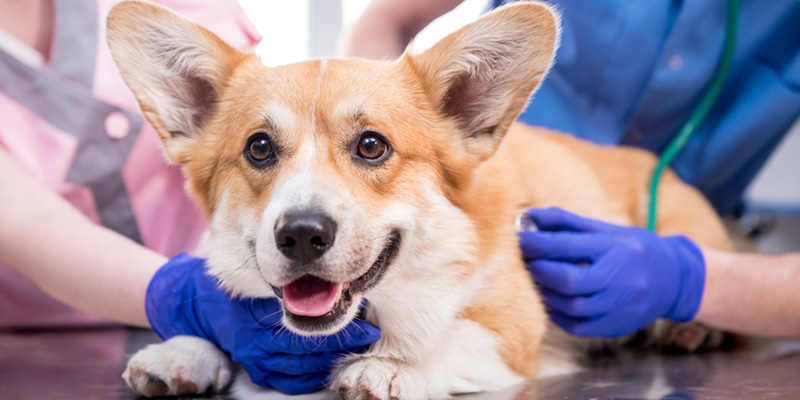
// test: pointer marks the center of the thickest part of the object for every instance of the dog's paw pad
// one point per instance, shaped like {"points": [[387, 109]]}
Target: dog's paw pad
{"points": [[179, 366], [156, 386]]}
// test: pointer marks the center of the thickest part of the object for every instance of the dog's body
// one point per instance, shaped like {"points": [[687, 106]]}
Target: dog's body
{"points": [[423, 230]]}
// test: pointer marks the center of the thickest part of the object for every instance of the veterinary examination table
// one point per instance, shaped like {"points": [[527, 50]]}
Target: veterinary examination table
{"points": [[86, 365]]}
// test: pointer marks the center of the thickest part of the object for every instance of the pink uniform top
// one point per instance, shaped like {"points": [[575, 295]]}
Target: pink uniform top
{"points": [[75, 125]]}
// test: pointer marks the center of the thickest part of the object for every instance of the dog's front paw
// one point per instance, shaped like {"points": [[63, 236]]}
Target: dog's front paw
{"points": [[181, 365], [379, 378]]}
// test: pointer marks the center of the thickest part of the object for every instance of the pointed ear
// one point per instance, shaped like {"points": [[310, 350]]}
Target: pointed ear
{"points": [[482, 75], [175, 68]]}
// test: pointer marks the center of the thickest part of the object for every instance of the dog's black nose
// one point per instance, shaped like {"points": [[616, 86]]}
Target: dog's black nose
{"points": [[304, 236]]}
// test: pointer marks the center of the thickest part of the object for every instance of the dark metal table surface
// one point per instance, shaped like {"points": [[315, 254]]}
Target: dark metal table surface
{"points": [[86, 365]]}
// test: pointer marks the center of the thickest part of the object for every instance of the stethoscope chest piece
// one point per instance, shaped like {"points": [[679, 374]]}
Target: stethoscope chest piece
{"points": [[524, 223]]}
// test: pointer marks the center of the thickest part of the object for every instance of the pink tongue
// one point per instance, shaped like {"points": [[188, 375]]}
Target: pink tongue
{"points": [[310, 296]]}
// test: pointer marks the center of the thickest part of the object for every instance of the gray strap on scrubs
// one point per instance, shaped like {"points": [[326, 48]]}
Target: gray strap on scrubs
{"points": [[64, 99]]}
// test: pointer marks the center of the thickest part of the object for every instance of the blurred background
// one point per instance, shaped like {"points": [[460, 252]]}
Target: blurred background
{"points": [[297, 30]]}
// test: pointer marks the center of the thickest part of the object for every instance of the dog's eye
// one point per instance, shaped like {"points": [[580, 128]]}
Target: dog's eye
{"points": [[371, 146], [259, 150]]}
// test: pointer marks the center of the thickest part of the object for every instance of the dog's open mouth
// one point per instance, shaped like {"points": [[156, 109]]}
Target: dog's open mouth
{"points": [[314, 303]]}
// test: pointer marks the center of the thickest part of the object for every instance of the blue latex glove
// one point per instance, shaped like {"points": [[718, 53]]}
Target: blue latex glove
{"points": [[603, 280], [182, 300]]}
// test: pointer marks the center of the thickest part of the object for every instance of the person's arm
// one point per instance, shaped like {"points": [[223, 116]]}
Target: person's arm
{"points": [[604, 280], [754, 294], [103, 273], [387, 26], [84, 265]]}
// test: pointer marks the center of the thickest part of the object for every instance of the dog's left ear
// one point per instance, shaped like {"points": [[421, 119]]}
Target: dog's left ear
{"points": [[175, 68], [482, 75]]}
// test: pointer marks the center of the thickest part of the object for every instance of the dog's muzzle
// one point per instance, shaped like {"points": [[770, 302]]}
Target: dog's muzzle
{"points": [[314, 304]]}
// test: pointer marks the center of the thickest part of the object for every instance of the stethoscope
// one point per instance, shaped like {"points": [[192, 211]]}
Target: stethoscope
{"points": [[524, 223], [700, 113]]}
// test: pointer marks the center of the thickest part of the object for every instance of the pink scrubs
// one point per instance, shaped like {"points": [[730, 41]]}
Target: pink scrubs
{"points": [[77, 127]]}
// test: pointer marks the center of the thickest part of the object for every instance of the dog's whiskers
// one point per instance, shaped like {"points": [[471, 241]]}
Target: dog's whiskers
{"points": [[270, 315]]}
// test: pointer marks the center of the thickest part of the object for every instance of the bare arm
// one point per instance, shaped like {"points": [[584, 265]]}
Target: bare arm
{"points": [[387, 26], [752, 293], [77, 262]]}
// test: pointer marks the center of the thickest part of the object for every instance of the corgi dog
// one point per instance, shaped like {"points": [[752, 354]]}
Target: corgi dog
{"points": [[408, 173]]}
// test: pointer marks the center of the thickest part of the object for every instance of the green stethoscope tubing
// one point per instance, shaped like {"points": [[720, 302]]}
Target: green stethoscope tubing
{"points": [[700, 113]]}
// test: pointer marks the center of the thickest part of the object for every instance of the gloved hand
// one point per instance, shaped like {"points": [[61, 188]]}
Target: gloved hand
{"points": [[182, 300], [603, 280]]}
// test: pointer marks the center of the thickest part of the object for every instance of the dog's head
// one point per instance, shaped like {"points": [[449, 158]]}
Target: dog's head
{"points": [[319, 178]]}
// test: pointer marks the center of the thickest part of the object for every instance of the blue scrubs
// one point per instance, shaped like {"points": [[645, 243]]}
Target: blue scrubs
{"points": [[631, 71]]}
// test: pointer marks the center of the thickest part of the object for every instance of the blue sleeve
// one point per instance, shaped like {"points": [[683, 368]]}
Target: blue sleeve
{"points": [[630, 72]]}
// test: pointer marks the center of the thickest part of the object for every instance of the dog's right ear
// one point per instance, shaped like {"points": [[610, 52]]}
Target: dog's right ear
{"points": [[175, 68], [482, 75]]}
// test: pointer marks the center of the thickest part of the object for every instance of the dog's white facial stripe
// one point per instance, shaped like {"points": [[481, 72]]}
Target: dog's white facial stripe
{"points": [[322, 64], [293, 193], [298, 190]]}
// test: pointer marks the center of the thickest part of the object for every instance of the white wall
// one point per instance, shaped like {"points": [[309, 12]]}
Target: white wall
{"points": [[285, 26]]}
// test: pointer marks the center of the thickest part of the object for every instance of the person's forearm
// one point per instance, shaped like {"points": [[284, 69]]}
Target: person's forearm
{"points": [[77, 262], [752, 293], [387, 26]]}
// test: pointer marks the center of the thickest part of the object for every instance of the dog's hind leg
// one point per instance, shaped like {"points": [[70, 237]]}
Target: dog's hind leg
{"points": [[181, 365]]}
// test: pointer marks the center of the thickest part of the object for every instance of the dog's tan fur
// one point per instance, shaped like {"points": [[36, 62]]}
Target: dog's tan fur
{"points": [[444, 128]]}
